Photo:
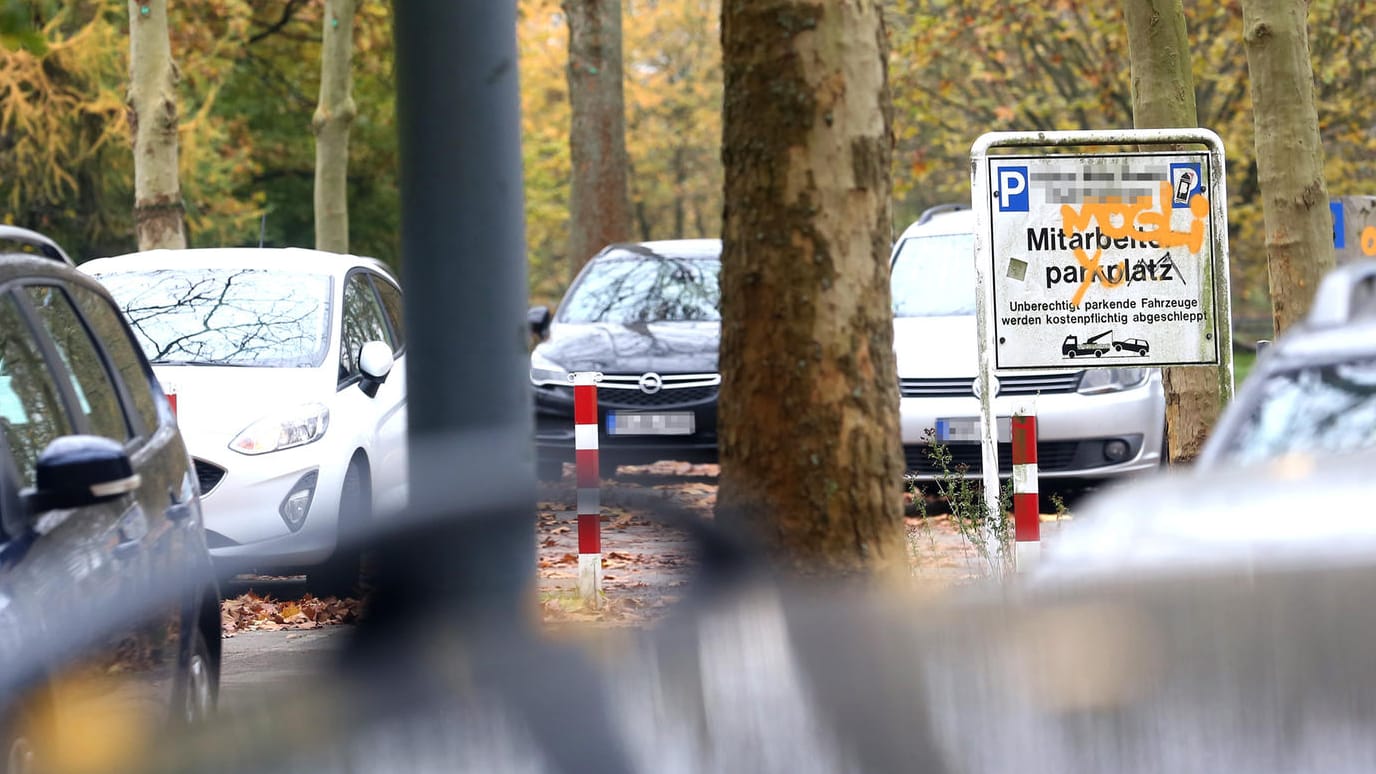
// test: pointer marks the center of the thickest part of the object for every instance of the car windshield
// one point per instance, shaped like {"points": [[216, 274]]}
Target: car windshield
{"points": [[625, 287], [934, 276], [1322, 409], [226, 317]]}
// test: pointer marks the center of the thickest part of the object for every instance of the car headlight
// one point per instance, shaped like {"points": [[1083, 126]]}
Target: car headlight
{"points": [[546, 371], [1097, 381], [297, 426]]}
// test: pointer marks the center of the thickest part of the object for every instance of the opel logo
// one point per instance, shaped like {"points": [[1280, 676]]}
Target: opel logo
{"points": [[650, 383], [974, 386]]}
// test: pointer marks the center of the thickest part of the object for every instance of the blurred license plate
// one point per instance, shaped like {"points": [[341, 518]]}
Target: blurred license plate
{"points": [[963, 429], [671, 423]]}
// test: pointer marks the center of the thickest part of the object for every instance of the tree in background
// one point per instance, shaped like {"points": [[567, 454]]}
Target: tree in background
{"points": [[333, 117], [808, 423], [1163, 97], [158, 209], [1290, 155], [599, 206]]}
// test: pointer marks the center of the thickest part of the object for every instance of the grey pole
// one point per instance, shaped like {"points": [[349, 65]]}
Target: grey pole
{"points": [[464, 270]]}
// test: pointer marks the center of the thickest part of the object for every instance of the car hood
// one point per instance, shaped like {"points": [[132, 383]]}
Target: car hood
{"points": [[670, 347], [936, 347], [215, 403]]}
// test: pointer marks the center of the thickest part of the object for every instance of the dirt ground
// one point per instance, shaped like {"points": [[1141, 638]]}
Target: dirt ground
{"points": [[648, 566]]}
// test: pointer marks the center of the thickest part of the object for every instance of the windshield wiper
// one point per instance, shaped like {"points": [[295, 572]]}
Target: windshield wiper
{"points": [[201, 363]]}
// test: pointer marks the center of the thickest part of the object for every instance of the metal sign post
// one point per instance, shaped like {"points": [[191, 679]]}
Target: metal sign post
{"points": [[1097, 260]]}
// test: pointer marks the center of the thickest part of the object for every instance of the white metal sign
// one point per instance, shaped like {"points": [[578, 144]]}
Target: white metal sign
{"points": [[1097, 259], [1102, 259]]}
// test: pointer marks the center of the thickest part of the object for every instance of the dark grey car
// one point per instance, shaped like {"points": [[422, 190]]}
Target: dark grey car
{"points": [[102, 551], [646, 316]]}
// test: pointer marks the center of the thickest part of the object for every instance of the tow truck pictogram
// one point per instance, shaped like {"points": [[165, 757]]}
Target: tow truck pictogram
{"points": [[1093, 345]]}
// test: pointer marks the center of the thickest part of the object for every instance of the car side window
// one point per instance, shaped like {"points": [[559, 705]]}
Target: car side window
{"points": [[391, 303], [31, 410], [95, 390], [124, 353], [363, 322]]}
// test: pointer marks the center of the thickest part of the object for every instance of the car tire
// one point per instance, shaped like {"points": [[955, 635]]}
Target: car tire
{"points": [[1070, 355], [339, 575], [549, 470], [200, 683], [1117, 347], [1098, 353]]}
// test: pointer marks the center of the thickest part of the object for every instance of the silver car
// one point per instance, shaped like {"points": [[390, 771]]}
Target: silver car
{"points": [[1093, 425], [1315, 390]]}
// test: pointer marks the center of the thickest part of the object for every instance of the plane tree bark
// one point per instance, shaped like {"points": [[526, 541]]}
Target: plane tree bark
{"points": [[1290, 156], [599, 200], [334, 116], [159, 214], [808, 424], [1163, 96]]}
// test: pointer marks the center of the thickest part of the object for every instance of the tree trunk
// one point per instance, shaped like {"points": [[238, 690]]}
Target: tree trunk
{"points": [[808, 423], [158, 210], [1294, 196], [599, 204], [1163, 97], [333, 116]]}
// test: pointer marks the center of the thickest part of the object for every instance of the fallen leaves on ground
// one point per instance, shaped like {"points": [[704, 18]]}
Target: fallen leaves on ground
{"points": [[253, 613]]}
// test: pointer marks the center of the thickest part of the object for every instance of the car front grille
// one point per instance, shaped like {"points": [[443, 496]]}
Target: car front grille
{"points": [[623, 390], [963, 387], [208, 475], [1051, 456], [637, 399]]}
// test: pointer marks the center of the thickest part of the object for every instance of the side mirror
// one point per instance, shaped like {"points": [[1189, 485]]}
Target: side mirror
{"points": [[375, 361], [79, 470], [539, 318]]}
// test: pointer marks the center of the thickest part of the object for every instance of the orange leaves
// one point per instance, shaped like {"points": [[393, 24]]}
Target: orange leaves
{"points": [[251, 612]]}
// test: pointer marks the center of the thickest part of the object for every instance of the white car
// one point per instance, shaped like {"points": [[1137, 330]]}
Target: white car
{"points": [[286, 370], [1092, 425]]}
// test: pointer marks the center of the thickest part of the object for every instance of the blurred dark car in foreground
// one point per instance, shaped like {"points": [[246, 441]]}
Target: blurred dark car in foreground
{"points": [[646, 317], [1314, 391], [100, 513]]}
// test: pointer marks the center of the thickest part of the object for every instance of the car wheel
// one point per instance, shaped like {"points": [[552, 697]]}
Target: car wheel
{"points": [[549, 470], [1098, 353], [338, 576], [200, 685], [1117, 347], [1070, 355]]}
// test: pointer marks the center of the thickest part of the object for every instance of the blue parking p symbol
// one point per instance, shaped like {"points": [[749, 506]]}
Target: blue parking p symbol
{"points": [[1012, 189]]}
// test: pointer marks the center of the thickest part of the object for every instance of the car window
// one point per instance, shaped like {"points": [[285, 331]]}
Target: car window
{"points": [[229, 317], [391, 304], [934, 276], [104, 320], [96, 394], [627, 287], [31, 410], [1323, 409], [363, 322]]}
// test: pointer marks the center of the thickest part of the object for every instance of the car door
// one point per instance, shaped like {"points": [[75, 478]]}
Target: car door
{"points": [[393, 479], [146, 532], [380, 419]]}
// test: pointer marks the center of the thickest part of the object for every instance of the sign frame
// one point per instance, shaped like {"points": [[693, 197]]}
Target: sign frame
{"points": [[1159, 140]]}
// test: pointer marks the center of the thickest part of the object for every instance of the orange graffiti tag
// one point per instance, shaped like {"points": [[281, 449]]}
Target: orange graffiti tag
{"points": [[1140, 220], [1369, 240]]}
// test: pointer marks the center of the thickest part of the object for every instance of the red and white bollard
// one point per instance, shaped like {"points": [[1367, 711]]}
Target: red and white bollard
{"points": [[1027, 524], [585, 431]]}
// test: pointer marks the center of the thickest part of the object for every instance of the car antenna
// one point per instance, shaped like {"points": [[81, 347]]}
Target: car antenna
{"points": [[262, 229]]}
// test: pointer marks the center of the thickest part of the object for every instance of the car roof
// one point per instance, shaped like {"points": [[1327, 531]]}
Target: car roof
{"points": [[942, 223], [679, 248], [294, 259]]}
